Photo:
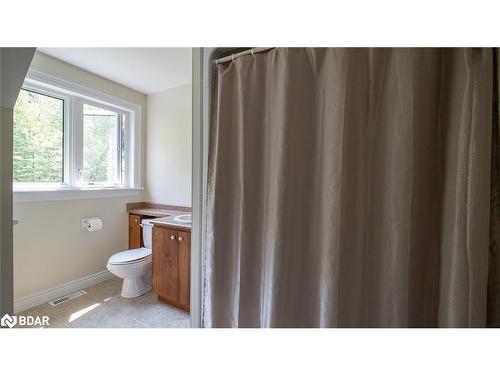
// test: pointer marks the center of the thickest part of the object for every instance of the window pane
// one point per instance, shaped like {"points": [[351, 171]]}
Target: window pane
{"points": [[38, 138], [101, 151]]}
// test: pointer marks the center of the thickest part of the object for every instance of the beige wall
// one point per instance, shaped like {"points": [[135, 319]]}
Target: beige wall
{"points": [[14, 63], [49, 248], [169, 147]]}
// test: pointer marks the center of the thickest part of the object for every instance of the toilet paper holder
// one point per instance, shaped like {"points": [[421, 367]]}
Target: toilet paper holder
{"points": [[91, 224]]}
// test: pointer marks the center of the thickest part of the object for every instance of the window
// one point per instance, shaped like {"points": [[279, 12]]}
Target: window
{"points": [[102, 146], [38, 138], [69, 140]]}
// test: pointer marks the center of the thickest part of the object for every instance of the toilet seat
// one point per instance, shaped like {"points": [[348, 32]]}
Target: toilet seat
{"points": [[130, 256]]}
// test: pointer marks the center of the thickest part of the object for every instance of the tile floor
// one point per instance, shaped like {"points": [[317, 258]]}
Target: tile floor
{"points": [[103, 307]]}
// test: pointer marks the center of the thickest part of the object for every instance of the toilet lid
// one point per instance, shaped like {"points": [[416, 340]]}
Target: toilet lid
{"points": [[129, 256]]}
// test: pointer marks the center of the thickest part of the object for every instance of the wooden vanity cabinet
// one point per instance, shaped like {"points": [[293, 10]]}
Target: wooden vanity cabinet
{"points": [[134, 231], [171, 265]]}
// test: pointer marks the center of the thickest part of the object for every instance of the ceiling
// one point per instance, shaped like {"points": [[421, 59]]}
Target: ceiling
{"points": [[147, 70]]}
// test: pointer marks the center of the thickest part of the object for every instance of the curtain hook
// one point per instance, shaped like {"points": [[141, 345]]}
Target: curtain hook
{"points": [[251, 51], [232, 57]]}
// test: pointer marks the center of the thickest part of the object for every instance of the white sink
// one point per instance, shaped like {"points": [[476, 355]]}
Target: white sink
{"points": [[186, 219]]}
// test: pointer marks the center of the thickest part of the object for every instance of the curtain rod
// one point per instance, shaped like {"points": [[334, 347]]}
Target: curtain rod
{"points": [[247, 52]]}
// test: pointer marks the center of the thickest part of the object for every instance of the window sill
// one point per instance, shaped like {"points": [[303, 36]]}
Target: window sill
{"points": [[73, 193]]}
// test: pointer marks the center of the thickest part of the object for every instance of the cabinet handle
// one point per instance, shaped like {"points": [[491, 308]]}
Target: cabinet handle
{"points": [[179, 238], [172, 237]]}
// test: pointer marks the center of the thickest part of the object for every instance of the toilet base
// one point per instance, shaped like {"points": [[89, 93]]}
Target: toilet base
{"points": [[135, 287]]}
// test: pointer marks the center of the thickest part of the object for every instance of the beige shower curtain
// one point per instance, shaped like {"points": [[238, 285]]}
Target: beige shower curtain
{"points": [[351, 188]]}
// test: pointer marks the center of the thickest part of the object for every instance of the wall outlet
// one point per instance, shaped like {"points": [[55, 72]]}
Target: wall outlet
{"points": [[90, 224]]}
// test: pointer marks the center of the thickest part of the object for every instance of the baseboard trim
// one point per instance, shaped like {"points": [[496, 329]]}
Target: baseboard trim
{"points": [[45, 296]]}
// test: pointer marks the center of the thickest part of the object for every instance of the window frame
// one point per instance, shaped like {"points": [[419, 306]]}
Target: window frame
{"points": [[74, 97], [79, 146], [28, 86]]}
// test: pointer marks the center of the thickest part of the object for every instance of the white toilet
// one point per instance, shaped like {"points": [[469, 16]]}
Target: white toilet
{"points": [[134, 266]]}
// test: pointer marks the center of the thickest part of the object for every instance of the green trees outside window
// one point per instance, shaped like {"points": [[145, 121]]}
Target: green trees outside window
{"points": [[38, 138], [39, 148]]}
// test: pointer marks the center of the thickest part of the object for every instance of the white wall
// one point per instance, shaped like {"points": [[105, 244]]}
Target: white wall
{"points": [[169, 147], [49, 248], [14, 63]]}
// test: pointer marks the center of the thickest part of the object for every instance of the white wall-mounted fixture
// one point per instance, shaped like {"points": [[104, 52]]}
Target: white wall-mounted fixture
{"points": [[91, 224]]}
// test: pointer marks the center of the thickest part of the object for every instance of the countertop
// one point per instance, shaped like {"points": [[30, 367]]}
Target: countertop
{"points": [[155, 212], [163, 214], [155, 209], [168, 221]]}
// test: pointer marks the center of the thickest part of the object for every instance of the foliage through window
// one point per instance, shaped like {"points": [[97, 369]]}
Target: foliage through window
{"points": [[38, 138], [102, 146]]}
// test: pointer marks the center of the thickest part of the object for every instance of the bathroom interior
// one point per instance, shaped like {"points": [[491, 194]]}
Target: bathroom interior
{"points": [[102, 188], [294, 201], [347, 168]]}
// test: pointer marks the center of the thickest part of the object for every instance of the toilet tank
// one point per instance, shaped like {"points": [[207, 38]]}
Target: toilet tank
{"points": [[147, 233]]}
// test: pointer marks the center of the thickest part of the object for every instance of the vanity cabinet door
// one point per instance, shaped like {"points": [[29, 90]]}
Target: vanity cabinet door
{"points": [[134, 231], [184, 240], [165, 264]]}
